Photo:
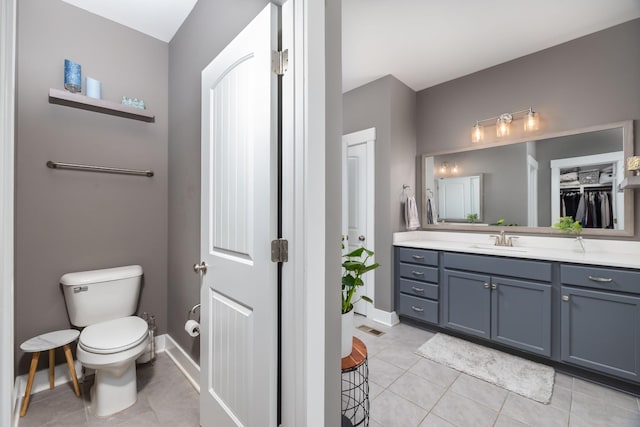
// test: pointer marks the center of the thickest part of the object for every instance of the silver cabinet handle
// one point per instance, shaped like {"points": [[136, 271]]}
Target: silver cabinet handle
{"points": [[494, 286], [565, 297], [200, 268], [486, 286], [418, 309], [417, 257], [417, 273], [600, 279], [361, 238], [417, 289]]}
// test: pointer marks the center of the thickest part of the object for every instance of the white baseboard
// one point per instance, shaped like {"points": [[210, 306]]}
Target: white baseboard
{"points": [[385, 317], [189, 368]]}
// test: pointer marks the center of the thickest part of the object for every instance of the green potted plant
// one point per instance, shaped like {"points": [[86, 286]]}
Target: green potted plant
{"points": [[566, 224], [354, 266]]}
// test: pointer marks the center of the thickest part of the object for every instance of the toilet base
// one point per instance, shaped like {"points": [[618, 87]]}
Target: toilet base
{"points": [[112, 393]]}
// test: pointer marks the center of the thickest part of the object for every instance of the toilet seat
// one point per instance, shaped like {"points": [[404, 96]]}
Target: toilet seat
{"points": [[113, 336]]}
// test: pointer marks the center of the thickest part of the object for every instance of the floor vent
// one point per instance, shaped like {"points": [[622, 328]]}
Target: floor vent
{"points": [[370, 330]]}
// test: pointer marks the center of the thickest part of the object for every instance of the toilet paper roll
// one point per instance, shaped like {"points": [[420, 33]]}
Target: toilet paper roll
{"points": [[192, 327]]}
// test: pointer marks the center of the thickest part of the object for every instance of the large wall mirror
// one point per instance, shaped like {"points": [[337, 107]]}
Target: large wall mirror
{"points": [[527, 185]]}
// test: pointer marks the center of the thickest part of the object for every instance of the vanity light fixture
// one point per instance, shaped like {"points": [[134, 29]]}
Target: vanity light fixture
{"points": [[446, 167], [503, 124]]}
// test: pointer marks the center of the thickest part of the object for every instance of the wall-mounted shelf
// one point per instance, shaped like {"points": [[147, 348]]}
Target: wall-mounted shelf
{"points": [[630, 182], [75, 100]]}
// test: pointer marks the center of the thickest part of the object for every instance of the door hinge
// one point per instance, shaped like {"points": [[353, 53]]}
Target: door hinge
{"points": [[280, 250], [280, 61]]}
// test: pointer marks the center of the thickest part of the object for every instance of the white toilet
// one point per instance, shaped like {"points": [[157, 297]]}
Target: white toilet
{"points": [[103, 301]]}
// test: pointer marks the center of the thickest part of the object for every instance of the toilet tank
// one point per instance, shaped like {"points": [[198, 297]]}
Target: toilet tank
{"points": [[99, 295]]}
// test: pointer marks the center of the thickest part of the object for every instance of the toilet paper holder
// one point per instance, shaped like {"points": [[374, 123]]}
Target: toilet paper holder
{"points": [[192, 311]]}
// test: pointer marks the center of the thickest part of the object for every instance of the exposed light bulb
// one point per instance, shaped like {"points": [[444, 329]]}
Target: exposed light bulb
{"points": [[531, 121], [455, 168], [477, 133], [503, 124]]}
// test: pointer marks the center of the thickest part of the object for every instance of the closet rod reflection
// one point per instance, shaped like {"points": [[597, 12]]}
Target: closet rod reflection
{"points": [[92, 168]]}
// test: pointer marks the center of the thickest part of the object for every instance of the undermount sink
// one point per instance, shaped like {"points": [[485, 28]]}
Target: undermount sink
{"points": [[490, 247]]}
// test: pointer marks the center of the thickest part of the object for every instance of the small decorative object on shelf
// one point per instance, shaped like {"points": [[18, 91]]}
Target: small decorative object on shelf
{"points": [[72, 76], [633, 165], [94, 88], [135, 102]]}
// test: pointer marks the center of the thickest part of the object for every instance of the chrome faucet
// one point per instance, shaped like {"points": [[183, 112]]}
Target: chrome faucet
{"points": [[503, 239]]}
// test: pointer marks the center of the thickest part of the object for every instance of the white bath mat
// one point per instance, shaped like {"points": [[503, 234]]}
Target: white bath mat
{"points": [[521, 376]]}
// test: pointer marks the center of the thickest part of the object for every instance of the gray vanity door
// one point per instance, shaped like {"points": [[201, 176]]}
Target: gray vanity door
{"points": [[467, 303], [601, 331], [521, 314]]}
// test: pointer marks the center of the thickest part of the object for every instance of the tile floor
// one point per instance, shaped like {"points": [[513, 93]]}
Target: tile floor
{"points": [[165, 398], [407, 390]]}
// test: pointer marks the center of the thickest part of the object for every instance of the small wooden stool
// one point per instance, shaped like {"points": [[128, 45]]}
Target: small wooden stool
{"points": [[49, 341]]}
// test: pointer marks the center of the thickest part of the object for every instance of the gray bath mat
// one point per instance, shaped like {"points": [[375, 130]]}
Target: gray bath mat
{"points": [[521, 376]]}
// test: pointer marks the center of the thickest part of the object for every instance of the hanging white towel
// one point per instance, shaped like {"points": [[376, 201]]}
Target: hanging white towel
{"points": [[411, 213]]}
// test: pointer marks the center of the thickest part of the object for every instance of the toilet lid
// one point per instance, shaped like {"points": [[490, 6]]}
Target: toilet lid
{"points": [[114, 336]]}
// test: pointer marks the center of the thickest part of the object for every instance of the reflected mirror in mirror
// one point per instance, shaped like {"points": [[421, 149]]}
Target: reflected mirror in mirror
{"points": [[533, 183]]}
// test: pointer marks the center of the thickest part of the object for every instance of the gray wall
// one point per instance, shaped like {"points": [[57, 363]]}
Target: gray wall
{"points": [[72, 221], [211, 25], [333, 209], [390, 106], [588, 81]]}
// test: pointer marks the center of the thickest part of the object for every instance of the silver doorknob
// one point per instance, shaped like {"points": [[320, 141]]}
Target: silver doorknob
{"points": [[361, 238], [200, 268]]}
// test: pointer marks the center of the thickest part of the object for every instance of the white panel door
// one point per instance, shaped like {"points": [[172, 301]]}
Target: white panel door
{"points": [[239, 334], [357, 210], [358, 203]]}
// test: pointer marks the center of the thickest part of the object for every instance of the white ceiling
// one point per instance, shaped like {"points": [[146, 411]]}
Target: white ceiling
{"points": [[421, 42], [157, 18], [427, 42]]}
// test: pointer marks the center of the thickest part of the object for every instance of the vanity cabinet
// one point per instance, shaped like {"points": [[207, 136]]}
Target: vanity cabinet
{"points": [[513, 311], [417, 290], [600, 319]]}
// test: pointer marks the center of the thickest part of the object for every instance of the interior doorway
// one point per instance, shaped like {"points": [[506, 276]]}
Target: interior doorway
{"points": [[358, 203]]}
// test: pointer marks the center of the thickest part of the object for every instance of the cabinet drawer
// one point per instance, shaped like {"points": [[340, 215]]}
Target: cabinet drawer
{"points": [[418, 308], [610, 279], [525, 269], [419, 289], [419, 272], [418, 256]]}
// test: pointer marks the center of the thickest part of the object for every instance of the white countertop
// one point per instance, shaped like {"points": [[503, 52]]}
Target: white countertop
{"points": [[612, 253]]}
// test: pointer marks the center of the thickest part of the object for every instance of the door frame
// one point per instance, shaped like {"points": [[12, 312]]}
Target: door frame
{"points": [[308, 346], [368, 138], [7, 121]]}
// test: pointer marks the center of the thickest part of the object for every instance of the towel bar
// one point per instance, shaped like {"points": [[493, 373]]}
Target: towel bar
{"points": [[92, 168]]}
